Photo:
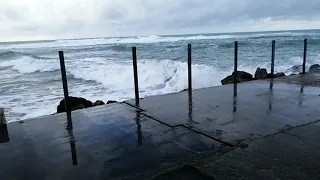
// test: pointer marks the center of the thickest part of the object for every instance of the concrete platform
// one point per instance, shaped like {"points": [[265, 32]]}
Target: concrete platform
{"points": [[291, 154], [268, 130], [260, 108], [108, 142]]}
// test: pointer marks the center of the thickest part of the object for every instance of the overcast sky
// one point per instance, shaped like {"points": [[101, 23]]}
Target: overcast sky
{"points": [[54, 19]]}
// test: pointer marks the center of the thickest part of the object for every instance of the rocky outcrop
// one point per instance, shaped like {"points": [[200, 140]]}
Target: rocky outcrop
{"points": [[73, 103], [314, 68], [280, 74], [296, 69], [98, 103], [76, 103], [261, 73], [242, 76], [111, 101], [80, 106], [4, 135]]}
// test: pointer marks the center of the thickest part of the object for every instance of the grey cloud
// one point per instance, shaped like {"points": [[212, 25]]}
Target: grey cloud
{"points": [[121, 17]]}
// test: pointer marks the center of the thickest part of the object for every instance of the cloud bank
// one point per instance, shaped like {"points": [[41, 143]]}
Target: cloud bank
{"points": [[53, 19]]}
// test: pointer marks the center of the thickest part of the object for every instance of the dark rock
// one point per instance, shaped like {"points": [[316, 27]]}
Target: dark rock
{"points": [[2, 117], [315, 68], [261, 73], [4, 134], [270, 75], [280, 74], [80, 106], [110, 102], [242, 76], [98, 103], [184, 90], [294, 69], [73, 102]]}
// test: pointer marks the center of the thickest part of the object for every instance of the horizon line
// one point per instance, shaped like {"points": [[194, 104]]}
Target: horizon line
{"points": [[221, 33]]}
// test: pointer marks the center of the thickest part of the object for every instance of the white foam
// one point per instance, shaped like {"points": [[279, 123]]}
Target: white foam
{"points": [[28, 64], [154, 75], [139, 40]]}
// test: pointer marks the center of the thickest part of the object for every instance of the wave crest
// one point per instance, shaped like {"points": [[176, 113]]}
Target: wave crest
{"points": [[26, 65]]}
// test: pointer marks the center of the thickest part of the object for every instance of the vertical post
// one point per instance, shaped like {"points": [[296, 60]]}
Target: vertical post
{"points": [[65, 90], [272, 57], [235, 72], [189, 68], [135, 74], [304, 56]]}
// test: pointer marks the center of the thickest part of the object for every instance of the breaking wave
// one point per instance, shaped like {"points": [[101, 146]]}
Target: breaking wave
{"points": [[143, 40]]}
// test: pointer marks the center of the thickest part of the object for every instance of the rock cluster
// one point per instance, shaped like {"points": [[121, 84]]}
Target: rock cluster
{"points": [[75, 103], [261, 73]]}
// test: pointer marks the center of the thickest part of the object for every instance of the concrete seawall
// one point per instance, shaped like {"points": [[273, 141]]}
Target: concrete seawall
{"points": [[268, 131]]}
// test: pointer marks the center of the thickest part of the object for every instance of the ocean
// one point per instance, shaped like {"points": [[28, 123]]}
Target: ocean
{"points": [[101, 68]]}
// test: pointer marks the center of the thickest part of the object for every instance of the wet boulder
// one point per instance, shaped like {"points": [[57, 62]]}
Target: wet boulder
{"points": [[98, 103], [261, 73], [242, 76], [111, 101], [296, 69], [80, 106], [2, 117], [280, 74], [73, 103], [314, 68]]}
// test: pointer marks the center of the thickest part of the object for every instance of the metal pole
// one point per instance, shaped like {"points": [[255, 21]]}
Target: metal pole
{"points": [[272, 57], [235, 72], [189, 68], [304, 56], [135, 74], [65, 89]]}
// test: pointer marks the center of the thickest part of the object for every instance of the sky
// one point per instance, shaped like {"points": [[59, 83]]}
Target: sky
{"points": [[60, 19]]}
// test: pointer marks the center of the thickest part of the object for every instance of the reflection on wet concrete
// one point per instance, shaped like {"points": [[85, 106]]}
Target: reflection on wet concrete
{"points": [[301, 95], [211, 108], [235, 94], [270, 96], [139, 132], [72, 142], [108, 142]]}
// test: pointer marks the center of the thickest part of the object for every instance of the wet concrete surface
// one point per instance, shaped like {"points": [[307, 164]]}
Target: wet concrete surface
{"points": [[264, 129], [291, 154], [257, 109], [107, 142]]}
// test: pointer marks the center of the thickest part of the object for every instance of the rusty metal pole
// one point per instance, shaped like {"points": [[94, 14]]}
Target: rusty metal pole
{"points": [[135, 75]]}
